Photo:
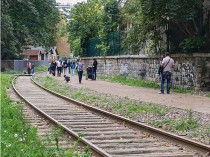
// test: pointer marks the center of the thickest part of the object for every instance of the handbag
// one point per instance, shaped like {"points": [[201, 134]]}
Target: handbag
{"points": [[160, 68]]}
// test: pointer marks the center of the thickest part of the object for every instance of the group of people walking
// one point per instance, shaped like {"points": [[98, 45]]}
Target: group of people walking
{"points": [[70, 67], [65, 67]]}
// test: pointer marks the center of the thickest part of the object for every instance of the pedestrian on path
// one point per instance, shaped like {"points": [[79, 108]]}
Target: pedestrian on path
{"points": [[80, 67], [59, 67], [95, 63], [53, 67], [69, 66], [29, 67], [72, 68], [32, 69], [65, 66], [167, 66]]}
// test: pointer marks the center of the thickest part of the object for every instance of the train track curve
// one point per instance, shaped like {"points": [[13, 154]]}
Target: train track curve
{"points": [[106, 134]]}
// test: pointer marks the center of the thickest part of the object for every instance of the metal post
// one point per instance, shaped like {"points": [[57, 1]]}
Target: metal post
{"points": [[167, 35]]}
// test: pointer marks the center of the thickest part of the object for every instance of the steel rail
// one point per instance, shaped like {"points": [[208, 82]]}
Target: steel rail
{"points": [[185, 142], [94, 149]]}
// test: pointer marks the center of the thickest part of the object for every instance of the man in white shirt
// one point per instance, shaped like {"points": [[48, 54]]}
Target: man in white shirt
{"points": [[59, 67], [167, 65]]}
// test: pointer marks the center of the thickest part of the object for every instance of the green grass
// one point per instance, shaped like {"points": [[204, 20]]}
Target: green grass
{"points": [[11, 72], [122, 79], [19, 139], [17, 136], [41, 68], [130, 81], [183, 124]]}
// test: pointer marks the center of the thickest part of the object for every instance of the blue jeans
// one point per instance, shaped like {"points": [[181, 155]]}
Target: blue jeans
{"points": [[72, 72], [165, 75], [32, 70], [80, 76]]}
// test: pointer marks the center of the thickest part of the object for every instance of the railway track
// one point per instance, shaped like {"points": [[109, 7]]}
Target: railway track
{"points": [[106, 134]]}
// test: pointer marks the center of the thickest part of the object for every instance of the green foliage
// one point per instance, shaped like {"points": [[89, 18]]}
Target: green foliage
{"points": [[182, 124], [192, 44], [83, 24], [147, 108], [27, 23], [150, 18], [11, 72], [131, 81], [16, 136], [93, 19], [41, 68]]}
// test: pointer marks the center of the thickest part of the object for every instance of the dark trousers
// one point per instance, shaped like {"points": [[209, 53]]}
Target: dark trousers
{"points": [[29, 71], [80, 76], [59, 70], [94, 71]]}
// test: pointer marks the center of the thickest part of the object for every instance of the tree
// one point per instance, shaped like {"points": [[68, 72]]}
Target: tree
{"points": [[94, 19], [27, 22], [110, 20], [150, 18], [83, 24]]}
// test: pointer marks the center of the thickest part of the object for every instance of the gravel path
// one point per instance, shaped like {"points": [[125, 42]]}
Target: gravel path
{"points": [[183, 101]]}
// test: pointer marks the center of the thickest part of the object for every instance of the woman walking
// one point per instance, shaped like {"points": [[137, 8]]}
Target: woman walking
{"points": [[72, 68], [80, 67]]}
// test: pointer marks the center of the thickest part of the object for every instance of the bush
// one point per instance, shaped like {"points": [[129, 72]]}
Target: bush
{"points": [[192, 44]]}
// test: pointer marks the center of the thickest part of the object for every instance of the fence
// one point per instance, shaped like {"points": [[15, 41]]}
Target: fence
{"points": [[20, 65], [114, 42]]}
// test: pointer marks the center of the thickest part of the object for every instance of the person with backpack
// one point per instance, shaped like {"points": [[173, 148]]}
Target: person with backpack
{"points": [[167, 66], [29, 67], [53, 67]]}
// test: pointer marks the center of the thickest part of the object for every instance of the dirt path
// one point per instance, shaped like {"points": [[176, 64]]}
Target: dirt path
{"points": [[184, 101]]}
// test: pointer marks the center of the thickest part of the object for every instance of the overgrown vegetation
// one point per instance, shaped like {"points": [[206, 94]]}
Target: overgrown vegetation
{"points": [[181, 23], [18, 138], [160, 116], [184, 124]]}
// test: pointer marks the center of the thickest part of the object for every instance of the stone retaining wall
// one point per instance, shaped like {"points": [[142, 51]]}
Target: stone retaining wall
{"points": [[190, 72]]}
